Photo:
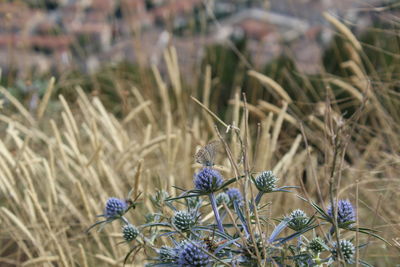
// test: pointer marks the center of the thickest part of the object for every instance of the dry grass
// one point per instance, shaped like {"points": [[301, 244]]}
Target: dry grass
{"points": [[57, 169]]}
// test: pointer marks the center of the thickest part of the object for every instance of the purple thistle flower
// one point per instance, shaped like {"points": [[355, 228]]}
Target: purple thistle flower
{"points": [[234, 195], [208, 180], [345, 211], [115, 207], [193, 255]]}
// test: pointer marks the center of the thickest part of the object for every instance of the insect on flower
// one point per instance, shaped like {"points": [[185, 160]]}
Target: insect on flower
{"points": [[206, 155], [212, 244]]}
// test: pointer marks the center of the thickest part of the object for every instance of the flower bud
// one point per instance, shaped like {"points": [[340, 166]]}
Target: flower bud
{"points": [[266, 182]]}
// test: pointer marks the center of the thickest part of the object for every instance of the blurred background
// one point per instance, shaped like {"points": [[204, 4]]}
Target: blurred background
{"points": [[78, 40], [95, 99]]}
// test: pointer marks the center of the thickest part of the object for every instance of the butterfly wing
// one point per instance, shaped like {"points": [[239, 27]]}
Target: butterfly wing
{"points": [[212, 149], [200, 156], [206, 155]]}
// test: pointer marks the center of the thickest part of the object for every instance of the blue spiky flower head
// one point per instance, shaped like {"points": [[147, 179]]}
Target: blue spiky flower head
{"points": [[192, 254], [208, 180], [345, 212], [266, 181], [297, 220], [130, 232], [348, 250], [222, 198], [183, 220], [115, 207], [234, 196], [316, 245]]}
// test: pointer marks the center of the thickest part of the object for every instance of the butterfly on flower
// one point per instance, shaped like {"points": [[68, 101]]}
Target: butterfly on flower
{"points": [[206, 155]]}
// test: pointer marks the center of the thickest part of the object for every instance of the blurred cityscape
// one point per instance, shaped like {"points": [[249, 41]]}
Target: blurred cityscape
{"points": [[57, 35]]}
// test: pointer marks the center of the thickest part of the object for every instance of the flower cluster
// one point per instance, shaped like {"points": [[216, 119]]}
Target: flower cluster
{"points": [[222, 198], [183, 220], [345, 212], [266, 182], [297, 220], [115, 207], [230, 197], [347, 249], [193, 254], [197, 230], [234, 195], [130, 232], [317, 245], [208, 180]]}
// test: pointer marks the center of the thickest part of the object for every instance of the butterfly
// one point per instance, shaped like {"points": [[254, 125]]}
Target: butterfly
{"points": [[206, 155]]}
